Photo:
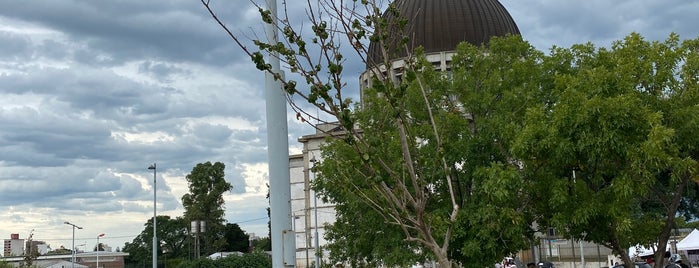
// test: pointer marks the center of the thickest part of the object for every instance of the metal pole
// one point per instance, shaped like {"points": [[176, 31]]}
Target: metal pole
{"points": [[155, 234], [582, 254], [98, 250], [72, 250], [283, 241], [315, 208], [72, 257], [315, 211]]}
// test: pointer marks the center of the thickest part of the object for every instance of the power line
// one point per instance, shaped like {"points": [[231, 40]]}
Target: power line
{"points": [[263, 218], [133, 236]]}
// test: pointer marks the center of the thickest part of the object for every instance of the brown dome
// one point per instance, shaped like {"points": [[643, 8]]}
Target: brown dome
{"points": [[440, 25]]}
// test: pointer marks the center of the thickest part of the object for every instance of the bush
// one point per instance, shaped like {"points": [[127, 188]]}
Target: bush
{"points": [[249, 260]]}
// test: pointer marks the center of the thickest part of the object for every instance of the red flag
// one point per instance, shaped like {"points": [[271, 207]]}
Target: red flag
{"points": [[101, 235]]}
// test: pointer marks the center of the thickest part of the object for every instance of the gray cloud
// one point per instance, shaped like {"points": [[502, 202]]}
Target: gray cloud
{"points": [[14, 46], [564, 23], [130, 30]]}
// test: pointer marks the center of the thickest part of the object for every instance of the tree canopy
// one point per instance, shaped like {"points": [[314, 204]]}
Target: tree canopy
{"points": [[205, 202], [613, 150], [464, 166], [172, 236]]}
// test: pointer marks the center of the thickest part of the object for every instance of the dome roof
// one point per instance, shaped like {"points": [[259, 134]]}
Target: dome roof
{"points": [[440, 25]]}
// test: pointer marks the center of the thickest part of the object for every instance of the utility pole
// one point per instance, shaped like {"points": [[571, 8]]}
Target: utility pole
{"points": [[283, 238]]}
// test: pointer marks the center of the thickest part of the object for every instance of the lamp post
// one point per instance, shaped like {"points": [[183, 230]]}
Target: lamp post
{"points": [[98, 250], [315, 210], [155, 239], [72, 257]]}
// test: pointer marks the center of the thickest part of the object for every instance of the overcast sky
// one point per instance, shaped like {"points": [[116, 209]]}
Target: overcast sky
{"points": [[93, 92]]}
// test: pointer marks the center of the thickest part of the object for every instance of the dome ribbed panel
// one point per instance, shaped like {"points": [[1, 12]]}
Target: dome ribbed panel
{"points": [[440, 25]]}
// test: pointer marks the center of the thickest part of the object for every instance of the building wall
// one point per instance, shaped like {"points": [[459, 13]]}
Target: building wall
{"points": [[13, 247], [87, 259], [310, 215]]}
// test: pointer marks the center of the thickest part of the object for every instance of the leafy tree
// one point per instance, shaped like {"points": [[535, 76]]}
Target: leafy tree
{"points": [[205, 202], [236, 239], [31, 251], [460, 165], [478, 112], [613, 151], [172, 236], [263, 244], [399, 156]]}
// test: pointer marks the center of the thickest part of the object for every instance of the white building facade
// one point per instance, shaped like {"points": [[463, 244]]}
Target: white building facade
{"points": [[13, 246], [310, 214]]}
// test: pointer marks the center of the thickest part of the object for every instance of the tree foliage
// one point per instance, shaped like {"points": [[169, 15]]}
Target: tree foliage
{"points": [[204, 202], [236, 238], [467, 120], [172, 240], [617, 134], [398, 178], [257, 259], [464, 166]]}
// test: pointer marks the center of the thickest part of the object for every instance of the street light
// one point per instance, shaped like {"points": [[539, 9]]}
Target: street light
{"points": [[315, 209], [155, 239], [98, 250], [72, 258]]}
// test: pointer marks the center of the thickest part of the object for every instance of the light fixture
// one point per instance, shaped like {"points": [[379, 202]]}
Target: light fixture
{"points": [[72, 250]]}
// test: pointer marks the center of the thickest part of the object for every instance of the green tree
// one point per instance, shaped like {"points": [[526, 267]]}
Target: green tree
{"points": [[205, 202], [462, 165], [613, 151], [173, 235], [400, 155], [172, 240], [467, 122], [236, 238], [263, 244]]}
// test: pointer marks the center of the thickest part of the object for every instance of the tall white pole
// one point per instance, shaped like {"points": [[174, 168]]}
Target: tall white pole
{"points": [[72, 250], [315, 211], [315, 208], [155, 234], [582, 254], [283, 242]]}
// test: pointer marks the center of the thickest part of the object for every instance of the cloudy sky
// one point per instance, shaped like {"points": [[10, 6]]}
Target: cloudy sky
{"points": [[93, 92]]}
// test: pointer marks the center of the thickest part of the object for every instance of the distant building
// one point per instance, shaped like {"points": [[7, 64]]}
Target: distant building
{"points": [[13, 246], [83, 260]]}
